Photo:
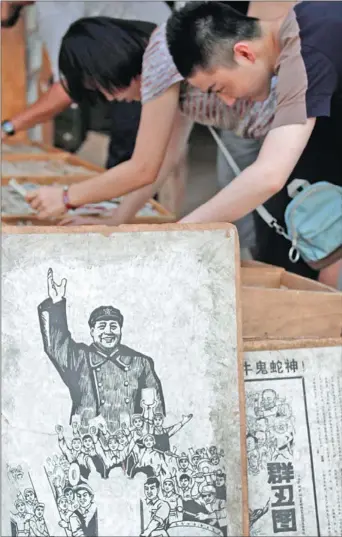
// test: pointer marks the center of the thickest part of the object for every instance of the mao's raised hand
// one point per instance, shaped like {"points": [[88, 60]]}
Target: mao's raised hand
{"points": [[56, 292]]}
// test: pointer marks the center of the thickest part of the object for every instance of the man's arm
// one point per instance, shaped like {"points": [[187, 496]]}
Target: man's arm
{"points": [[59, 346], [279, 154], [155, 129], [158, 519], [54, 101], [173, 429], [134, 201]]}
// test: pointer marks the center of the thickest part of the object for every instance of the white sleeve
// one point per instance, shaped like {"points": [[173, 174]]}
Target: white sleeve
{"points": [[54, 19]]}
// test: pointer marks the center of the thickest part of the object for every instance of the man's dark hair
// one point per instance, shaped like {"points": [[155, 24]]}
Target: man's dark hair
{"points": [[101, 53], [185, 476], [153, 481], [203, 34], [15, 11]]}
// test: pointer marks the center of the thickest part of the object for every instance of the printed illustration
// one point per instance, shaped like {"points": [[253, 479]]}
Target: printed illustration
{"points": [[105, 378], [270, 443], [270, 430], [27, 515], [118, 426]]}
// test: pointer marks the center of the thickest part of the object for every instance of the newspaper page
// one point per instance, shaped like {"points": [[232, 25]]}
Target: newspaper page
{"points": [[294, 441]]}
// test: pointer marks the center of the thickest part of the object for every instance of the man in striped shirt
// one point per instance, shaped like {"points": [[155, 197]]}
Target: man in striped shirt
{"points": [[235, 57]]}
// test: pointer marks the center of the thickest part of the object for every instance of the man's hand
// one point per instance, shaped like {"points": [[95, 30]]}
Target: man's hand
{"points": [[56, 292], [202, 516], [59, 431], [47, 201], [93, 431]]}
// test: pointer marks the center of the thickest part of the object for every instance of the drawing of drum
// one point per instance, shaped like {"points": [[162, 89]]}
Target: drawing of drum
{"points": [[189, 529]]}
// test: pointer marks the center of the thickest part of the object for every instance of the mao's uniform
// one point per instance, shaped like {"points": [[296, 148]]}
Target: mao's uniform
{"points": [[100, 384]]}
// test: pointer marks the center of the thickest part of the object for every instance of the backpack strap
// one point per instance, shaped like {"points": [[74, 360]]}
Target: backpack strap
{"points": [[261, 210]]}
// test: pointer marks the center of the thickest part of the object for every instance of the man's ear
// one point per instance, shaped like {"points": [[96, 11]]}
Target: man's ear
{"points": [[92, 331], [243, 52]]}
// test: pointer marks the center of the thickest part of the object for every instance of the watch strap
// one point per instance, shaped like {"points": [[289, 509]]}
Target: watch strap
{"points": [[66, 201], [7, 127]]}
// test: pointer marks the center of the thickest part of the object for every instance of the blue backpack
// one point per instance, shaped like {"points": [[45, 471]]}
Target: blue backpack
{"points": [[314, 224], [313, 218]]}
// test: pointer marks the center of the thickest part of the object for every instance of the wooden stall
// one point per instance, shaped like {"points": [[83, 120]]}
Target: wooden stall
{"points": [[41, 164]]}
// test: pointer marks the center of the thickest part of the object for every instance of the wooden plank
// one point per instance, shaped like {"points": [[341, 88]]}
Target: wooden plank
{"points": [[251, 263], [43, 86], [13, 73], [280, 313], [46, 149], [289, 343], [260, 277], [32, 220], [294, 281]]}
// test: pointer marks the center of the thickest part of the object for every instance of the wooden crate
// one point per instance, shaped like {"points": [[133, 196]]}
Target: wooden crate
{"points": [[278, 305], [256, 274], [22, 149], [162, 216], [58, 157]]}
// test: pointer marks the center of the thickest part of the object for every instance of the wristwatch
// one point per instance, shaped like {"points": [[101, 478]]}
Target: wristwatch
{"points": [[7, 127], [66, 202]]}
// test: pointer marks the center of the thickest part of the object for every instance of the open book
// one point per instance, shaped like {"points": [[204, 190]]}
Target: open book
{"points": [[122, 390]]}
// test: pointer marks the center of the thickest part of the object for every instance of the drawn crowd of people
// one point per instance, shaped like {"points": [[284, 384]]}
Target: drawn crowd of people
{"points": [[27, 518], [270, 429], [179, 486]]}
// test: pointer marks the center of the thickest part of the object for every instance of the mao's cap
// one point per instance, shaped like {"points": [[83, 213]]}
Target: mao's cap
{"points": [[105, 313]]}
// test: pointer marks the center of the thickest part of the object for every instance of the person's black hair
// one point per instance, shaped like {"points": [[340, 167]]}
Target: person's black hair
{"points": [[203, 34], [153, 481], [101, 53], [185, 476], [14, 16]]}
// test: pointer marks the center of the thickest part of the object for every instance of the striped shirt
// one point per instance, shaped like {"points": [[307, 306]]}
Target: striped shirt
{"points": [[246, 119]]}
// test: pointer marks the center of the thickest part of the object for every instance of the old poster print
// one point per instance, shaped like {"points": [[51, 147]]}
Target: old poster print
{"points": [[294, 441], [118, 393]]}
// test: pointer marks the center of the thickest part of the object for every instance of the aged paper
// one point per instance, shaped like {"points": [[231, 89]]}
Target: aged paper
{"points": [[120, 385], [294, 441], [48, 168], [13, 203]]}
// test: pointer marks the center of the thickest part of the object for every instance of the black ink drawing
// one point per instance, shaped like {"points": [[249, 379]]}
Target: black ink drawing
{"points": [[105, 378], [118, 424], [270, 430], [27, 516], [256, 514]]}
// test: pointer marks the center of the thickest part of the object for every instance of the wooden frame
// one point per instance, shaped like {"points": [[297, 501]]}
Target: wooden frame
{"points": [[59, 156], [53, 154], [272, 277], [47, 149], [228, 228], [282, 344], [279, 305], [287, 313]]}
